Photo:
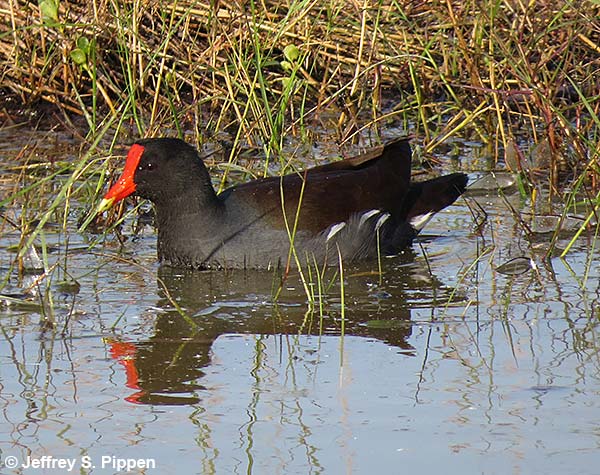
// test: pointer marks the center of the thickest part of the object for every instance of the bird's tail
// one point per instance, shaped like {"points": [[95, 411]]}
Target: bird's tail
{"points": [[428, 197]]}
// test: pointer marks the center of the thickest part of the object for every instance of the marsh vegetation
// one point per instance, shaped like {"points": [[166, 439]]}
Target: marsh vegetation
{"points": [[487, 328]]}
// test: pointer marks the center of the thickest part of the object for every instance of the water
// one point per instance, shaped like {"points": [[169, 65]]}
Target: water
{"points": [[445, 364]]}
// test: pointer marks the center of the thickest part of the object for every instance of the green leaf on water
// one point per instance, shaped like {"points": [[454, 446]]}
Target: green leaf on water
{"points": [[516, 266], [20, 302], [385, 324], [70, 287]]}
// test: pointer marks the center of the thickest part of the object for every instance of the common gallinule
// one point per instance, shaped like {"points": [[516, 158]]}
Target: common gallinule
{"points": [[361, 206]]}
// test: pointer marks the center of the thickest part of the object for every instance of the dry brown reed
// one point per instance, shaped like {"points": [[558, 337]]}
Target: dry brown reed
{"points": [[500, 71]]}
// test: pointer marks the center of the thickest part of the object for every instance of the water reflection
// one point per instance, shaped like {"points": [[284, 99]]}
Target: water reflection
{"points": [[168, 366], [507, 374]]}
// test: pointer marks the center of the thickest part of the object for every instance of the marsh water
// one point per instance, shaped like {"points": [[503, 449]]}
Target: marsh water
{"points": [[469, 353]]}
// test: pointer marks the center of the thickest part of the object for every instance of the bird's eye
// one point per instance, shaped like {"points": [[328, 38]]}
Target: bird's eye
{"points": [[148, 166]]}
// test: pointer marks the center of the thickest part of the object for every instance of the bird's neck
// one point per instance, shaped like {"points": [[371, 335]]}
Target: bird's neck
{"points": [[186, 227]]}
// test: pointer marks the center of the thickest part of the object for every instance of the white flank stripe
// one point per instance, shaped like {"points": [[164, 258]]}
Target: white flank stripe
{"points": [[366, 215], [384, 217], [418, 222], [336, 228]]}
